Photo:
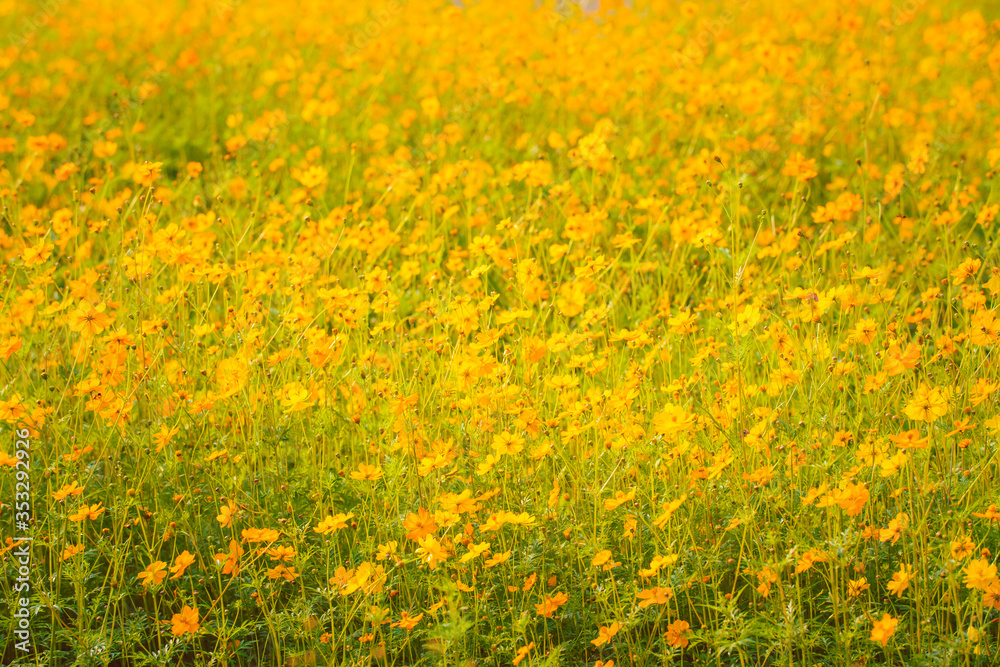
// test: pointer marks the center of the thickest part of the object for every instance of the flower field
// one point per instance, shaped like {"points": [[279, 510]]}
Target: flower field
{"points": [[402, 333]]}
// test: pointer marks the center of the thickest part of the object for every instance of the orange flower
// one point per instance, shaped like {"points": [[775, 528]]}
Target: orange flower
{"points": [[550, 603], [181, 563], [962, 547], [230, 561], [37, 254], [71, 489], [255, 535], [85, 512], [185, 622], [281, 572], [282, 553], [419, 525], [655, 595], [407, 622], [601, 558], [605, 633], [799, 167], [522, 653], [71, 551], [895, 529], [991, 513], [856, 587], [677, 634], [884, 629], [163, 437], [967, 269]]}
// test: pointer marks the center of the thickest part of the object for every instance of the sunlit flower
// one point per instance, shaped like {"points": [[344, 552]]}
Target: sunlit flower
{"points": [[883, 630]]}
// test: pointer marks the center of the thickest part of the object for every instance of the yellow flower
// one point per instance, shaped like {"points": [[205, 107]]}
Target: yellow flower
{"points": [[900, 580], [226, 512], [366, 472], [980, 574], [927, 404], [746, 319], [331, 524], [89, 320], [508, 443], [147, 173], [432, 552], [296, 398], [389, 548], [475, 550], [672, 419], [668, 511], [856, 587], [620, 499], [154, 573], [498, 559]]}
